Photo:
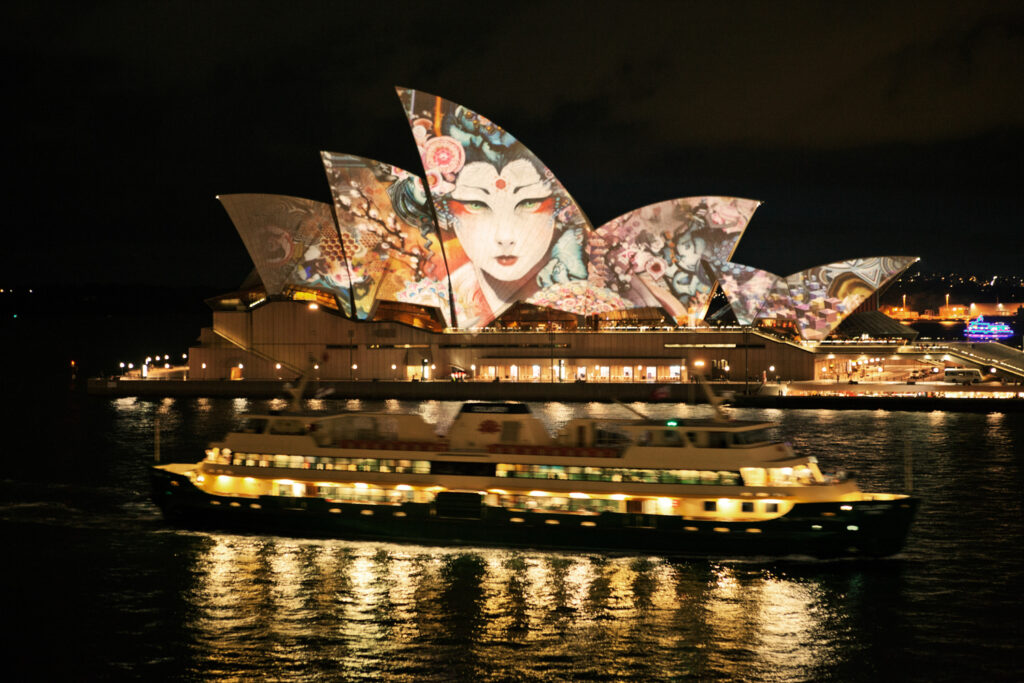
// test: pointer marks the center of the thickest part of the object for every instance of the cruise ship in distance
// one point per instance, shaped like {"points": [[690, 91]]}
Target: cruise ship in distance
{"points": [[981, 330], [692, 487]]}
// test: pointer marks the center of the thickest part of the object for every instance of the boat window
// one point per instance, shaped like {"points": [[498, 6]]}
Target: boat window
{"points": [[726, 478], [747, 506], [699, 439], [619, 474], [771, 507], [754, 476], [752, 437], [709, 477], [710, 505], [254, 425], [287, 427], [476, 469], [609, 437], [671, 437], [719, 439]]}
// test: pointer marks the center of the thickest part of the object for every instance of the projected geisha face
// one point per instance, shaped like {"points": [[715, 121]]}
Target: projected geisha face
{"points": [[504, 220]]}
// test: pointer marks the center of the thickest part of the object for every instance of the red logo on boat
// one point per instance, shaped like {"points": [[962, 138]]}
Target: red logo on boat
{"points": [[489, 427]]}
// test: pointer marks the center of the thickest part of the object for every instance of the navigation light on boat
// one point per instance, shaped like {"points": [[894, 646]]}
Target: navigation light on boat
{"points": [[672, 423]]}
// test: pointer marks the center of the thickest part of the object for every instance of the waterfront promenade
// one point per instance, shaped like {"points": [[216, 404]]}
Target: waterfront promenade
{"points": [[890, 395]]}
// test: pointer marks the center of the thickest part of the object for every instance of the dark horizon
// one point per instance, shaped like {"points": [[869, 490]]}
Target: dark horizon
{"points": [[890, 130]]}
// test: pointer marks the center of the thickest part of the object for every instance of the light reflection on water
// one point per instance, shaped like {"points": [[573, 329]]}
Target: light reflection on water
{"points": [[419, 612], [97, 570]]}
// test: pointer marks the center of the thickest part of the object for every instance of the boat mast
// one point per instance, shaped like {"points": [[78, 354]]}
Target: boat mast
{"points": [[297, 391], [713, 399]]}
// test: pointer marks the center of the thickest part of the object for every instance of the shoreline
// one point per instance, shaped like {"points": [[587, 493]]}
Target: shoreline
{"points": [[922, 397]]}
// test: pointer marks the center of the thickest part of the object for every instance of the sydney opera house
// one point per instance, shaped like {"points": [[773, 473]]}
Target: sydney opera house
{"points": [[485, 267]]}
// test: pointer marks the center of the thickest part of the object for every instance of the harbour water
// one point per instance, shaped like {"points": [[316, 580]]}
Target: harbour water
{"points": [[97, 586]]}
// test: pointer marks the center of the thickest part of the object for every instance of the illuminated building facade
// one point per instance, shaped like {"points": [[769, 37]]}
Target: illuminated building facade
{"points": [[487, 266]]}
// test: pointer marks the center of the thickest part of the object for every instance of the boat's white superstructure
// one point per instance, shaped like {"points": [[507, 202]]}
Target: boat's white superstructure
{"points": [[681, 475]]}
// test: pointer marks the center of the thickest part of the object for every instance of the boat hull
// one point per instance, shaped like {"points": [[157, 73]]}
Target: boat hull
{"points": [[823, 530]]}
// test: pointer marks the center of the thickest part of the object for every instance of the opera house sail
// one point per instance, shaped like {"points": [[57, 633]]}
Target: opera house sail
{"points": [[489, 226], [815, 300]]}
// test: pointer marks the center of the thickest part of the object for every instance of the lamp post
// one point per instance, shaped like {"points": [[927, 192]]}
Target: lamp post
{"points": [[551, 345], [351, 334], [746, 364]]}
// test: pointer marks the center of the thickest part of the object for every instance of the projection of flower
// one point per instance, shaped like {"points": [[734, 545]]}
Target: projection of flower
{"points": [[652, 256], [292, 241], [816, 299], [500, 228], [500, 211], [390, 241], [747, 289]]}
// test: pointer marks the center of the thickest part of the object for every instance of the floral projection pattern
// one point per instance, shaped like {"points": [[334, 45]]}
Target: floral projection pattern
{"points": [[816, 299], [652, 256], [292, 241], [390, 241], [508, 226], [497, 227]]}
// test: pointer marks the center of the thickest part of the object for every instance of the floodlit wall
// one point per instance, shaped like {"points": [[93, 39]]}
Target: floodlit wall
{"points": [[290, 333]]}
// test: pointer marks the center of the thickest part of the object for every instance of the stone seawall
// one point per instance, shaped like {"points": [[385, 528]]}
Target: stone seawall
{"points": [[570, 392], [444, 391]]}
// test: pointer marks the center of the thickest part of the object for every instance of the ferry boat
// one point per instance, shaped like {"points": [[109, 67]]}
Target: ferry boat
{"points": [[980, 329], [693, 487]]}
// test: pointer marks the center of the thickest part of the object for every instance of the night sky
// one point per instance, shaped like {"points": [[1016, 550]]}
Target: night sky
{"points": [[866, 128]]}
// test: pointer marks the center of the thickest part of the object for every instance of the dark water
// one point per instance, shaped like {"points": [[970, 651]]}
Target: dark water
{"points": [[96, 586]]}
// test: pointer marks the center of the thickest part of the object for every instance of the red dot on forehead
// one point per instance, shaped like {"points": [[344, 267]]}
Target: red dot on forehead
{"points": [[500, 183]]}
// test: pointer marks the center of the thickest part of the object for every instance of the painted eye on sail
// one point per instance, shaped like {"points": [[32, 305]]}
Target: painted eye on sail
{"points": [[535, 204], [469, 206]]}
